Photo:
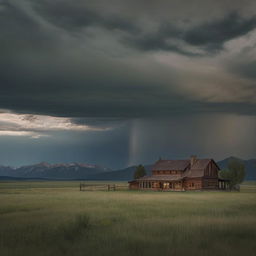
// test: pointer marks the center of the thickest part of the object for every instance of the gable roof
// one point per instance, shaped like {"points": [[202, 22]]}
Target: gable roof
{"points": [[165, 165], [193, 173], [196, 170], [200, 164]]}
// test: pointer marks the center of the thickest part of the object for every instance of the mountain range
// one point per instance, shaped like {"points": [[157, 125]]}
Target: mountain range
{"points": [[54, 171], [78, 171]]}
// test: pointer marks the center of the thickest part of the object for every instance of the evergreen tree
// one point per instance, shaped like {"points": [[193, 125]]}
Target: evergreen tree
{"points": [[139, 172]]}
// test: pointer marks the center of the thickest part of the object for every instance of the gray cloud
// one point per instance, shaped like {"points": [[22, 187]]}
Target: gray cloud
{"points": [[213, 35], [210, 36], [75, 16], [90, 60], [245, 68]]}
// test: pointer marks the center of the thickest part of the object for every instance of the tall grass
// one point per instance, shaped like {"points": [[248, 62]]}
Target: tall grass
{"points": [[60, 220], [73, 229]]}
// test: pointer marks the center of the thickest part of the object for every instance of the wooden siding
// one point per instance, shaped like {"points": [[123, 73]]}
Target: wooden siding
{"points": [[161, 185], [211, 170], [210, 183], [193, 184], [169, 172]]}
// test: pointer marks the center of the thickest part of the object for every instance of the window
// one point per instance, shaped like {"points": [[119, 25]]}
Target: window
{"points": [[166, 185]]}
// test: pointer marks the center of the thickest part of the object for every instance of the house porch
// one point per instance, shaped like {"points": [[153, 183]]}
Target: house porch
{"points": [[161, 185]]}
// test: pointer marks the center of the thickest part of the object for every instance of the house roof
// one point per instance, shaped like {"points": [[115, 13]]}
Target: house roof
{"points": [[200, 164], [197, 169], [160, 178], [165, 165], [194, 171]]}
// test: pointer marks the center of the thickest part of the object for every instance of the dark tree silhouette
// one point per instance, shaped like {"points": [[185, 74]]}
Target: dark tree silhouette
{"points": [[139, 172], [235, 172]]}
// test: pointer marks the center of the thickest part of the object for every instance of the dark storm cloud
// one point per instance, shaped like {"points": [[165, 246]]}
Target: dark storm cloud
{"points": [[79, 59], [210, 36], [74, 16], [102, 123], [213, 35], [19, 32], [158, 41]]}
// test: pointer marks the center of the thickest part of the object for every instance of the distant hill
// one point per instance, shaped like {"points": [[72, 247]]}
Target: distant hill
{"points": [[78, 171], [250, 166], [8, 178], [54, 171], [6, 171], [123, 174], [73, 171]]}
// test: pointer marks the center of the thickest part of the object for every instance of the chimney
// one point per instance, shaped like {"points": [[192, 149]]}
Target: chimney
{"points": [[192, 160]]}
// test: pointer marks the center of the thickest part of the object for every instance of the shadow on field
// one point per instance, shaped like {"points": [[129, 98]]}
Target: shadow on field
{"points": [[75, 228], [57, 238]]}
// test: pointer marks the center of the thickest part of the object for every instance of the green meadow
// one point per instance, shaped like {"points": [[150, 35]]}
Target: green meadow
{"points": [[55, 218]]}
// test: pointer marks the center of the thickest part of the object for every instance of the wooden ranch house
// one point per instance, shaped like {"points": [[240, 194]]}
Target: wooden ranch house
{"points": [[182, 175]]}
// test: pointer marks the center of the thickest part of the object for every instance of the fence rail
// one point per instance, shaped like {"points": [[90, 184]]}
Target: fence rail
{"points": [[104, 187]]}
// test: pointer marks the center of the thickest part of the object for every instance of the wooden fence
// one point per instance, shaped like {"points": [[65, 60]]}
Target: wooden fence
{"points": [[102, 187]]}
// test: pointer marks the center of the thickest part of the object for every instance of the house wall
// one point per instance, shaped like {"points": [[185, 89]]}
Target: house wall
{"points": [[211, 170], [210, 183], [134, 185], [167, 172], [210, 179], [193, 184]]}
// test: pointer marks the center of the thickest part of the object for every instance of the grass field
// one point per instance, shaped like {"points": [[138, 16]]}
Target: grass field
{"points": [[55, 218]]}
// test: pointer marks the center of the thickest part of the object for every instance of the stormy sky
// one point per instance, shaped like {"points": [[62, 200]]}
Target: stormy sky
{"points": [[123, 82]]}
